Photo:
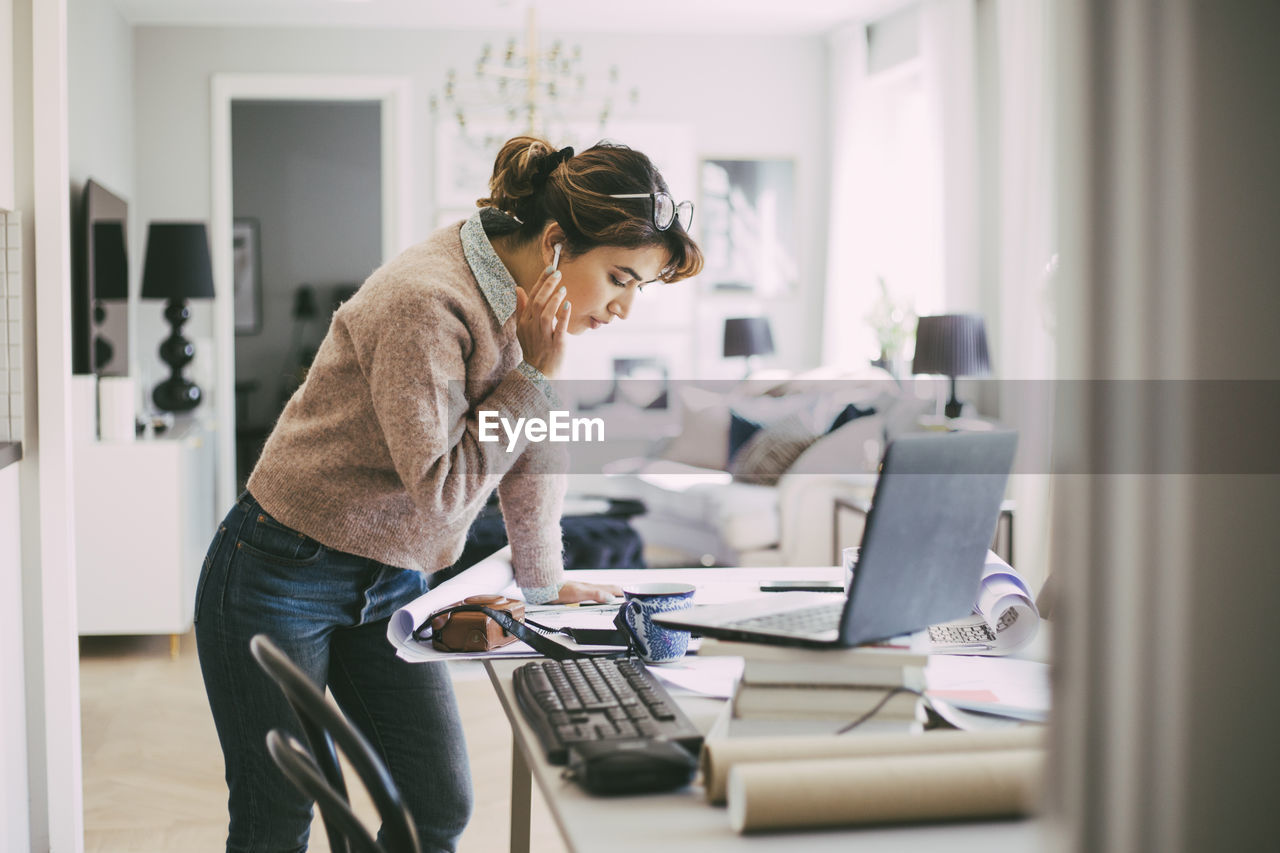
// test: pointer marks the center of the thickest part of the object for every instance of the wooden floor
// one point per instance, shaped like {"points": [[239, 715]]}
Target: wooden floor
{"points": [[153, 770]]}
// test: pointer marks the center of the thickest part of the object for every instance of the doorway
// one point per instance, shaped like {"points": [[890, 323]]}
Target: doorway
{"points": [[307, 229], [309, 167]]}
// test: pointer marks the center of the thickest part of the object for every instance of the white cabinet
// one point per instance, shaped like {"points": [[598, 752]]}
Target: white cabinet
{"points": [[144, 518]]}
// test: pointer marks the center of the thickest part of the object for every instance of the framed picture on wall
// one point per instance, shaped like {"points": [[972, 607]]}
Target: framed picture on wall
{"points": [[641, 382], [464, 162], [746, 226], [247, 276]]}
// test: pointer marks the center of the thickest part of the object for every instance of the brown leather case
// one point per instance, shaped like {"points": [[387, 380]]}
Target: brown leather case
{"points": [[474, 632]]}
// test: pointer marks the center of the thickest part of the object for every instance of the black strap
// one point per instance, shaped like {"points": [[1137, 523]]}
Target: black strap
{"points": [[551, 646]]}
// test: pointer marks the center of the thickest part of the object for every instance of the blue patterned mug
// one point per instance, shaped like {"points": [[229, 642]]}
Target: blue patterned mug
{"points": [[654, 643]]}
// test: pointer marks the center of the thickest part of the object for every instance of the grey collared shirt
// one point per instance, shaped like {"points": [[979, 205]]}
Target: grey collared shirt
{"points": [[495, 280]]}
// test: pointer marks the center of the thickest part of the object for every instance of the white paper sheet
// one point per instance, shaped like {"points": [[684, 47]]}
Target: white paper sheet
{"points": [[1004, 604], [710, 676], [1007, 687], [489, 576]]}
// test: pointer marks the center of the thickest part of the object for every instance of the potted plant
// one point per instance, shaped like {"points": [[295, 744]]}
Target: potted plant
{"points": [[894, 322]]}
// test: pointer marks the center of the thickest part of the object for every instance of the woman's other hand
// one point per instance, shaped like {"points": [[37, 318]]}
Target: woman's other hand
{"points": [[578, 591], [542, 321]]}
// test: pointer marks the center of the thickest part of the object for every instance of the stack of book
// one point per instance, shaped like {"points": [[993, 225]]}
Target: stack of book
{"points": [[794, 683]]}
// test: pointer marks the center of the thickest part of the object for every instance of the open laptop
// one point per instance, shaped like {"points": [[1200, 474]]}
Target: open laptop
{"points": [[932, 519]]}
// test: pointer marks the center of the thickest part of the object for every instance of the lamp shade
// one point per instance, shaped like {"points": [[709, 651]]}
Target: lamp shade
{"points": [[177, 264], [110, 264], [747, 336], [951, 345]]}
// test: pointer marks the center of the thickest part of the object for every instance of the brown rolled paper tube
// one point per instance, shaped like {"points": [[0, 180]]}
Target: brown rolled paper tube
{"points": [[884, 789], [719, 755]]}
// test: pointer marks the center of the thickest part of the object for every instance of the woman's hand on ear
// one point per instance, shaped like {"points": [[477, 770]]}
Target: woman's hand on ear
{"points": [[542, 321]]}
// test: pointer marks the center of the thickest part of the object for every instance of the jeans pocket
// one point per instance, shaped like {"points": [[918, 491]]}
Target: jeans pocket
{"points": [[269, 540], [204, 569]]}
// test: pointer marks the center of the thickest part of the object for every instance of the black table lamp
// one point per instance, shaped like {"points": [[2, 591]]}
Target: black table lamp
{"points": [[951, 345], [747, 336], [110, 282], [177, 268]]}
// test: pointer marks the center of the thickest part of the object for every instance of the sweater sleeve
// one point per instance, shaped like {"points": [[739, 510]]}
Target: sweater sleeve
{"points": [[413, 349], [532, 500]]}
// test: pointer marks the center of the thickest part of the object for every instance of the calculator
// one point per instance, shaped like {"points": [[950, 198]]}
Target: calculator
{"points": [[975, 633]]}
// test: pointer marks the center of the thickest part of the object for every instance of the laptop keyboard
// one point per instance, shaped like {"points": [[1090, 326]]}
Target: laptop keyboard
{"points": [[802, 620]]}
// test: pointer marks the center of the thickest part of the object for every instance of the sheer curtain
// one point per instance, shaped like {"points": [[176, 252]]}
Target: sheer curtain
{"points": [[1020, 307], [886, 220], [943, 186], [846, 339]]}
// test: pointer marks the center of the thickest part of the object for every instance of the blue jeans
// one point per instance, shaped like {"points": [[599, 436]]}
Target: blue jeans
{"points": [[328, 611]]}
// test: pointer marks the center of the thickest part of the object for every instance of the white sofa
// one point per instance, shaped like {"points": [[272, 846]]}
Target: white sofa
{"points": [[701, 509]]}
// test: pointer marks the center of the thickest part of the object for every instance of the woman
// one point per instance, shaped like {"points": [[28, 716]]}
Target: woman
{"points": [[374, 472]]}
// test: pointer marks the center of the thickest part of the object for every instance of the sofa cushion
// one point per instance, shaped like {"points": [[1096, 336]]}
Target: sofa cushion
{"points": [[768, 454], [708, 437], [703, 440], [745, 514], [854, 448]]}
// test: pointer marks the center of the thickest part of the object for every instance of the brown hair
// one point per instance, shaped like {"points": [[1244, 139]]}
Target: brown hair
{"points": [[537, 184]]}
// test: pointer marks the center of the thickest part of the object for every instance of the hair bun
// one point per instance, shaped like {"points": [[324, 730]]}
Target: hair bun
{"points": [[549, 164]]}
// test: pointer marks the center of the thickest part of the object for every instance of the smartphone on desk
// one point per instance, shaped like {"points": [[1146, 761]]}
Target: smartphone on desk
{"points": [[801, 586]]}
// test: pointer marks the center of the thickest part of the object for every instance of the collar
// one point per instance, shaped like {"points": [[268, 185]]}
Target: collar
{"points": [[495, 281]]}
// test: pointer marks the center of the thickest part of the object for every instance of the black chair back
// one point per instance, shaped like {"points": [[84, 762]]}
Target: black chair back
{"points": [[317, 772]]}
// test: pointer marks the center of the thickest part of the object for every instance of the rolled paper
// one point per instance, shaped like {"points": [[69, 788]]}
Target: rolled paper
{"points": [[719, 755], [817, 793]]}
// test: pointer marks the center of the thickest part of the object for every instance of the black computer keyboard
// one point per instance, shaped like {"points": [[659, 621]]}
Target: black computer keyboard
{"points": [[598, 699]]}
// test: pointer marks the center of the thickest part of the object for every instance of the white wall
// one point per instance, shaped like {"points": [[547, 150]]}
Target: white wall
{"points": [[100, 122], [6, 107], [13, 718], [100, 96], [739, 96]]}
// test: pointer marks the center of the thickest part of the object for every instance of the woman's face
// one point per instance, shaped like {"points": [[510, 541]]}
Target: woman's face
{"points": [[602, 283]]}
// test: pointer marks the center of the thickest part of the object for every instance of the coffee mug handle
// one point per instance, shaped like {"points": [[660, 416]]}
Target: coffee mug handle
{"points": [[623, 623]]}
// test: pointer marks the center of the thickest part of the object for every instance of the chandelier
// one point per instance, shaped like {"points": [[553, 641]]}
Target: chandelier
{"points": [[529, 90]]}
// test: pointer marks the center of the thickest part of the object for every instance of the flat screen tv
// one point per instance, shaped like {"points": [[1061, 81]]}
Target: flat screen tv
{"points": [[100, 284]]}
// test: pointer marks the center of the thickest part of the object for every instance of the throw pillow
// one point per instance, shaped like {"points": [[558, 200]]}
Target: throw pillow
{"points": [[849, 413], [770, 452], [741, 429]]}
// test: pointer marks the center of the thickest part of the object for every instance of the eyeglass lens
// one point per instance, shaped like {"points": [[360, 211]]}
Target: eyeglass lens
{"points": [[664, 210], [684, 213]]}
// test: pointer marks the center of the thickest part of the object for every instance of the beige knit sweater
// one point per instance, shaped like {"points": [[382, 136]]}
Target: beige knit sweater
{"points": [[377, 454]]}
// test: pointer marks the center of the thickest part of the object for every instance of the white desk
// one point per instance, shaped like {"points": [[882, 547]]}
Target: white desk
{"points": [[682, 820]]}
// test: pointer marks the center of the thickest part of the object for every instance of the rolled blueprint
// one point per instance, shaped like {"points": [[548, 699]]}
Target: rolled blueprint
{"points": [[720, 755], [878, 789]]}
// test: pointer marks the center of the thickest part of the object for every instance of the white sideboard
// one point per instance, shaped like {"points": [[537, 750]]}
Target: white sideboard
{"points": [[144, 518]]}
